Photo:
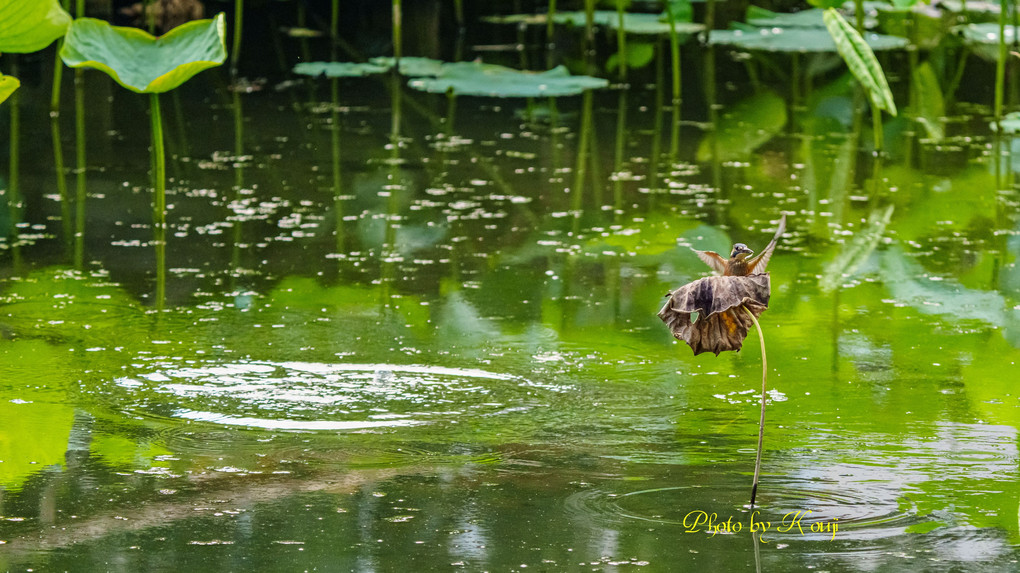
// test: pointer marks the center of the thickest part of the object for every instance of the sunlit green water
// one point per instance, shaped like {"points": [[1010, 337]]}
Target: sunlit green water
{"points": [[452, 361]]}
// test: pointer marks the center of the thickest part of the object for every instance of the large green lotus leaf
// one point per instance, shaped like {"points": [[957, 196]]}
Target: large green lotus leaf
{"points": [[143, 63], [643, 24], [768, 19], [7, 86], [745, 127], [414, 67], [800, 40], [984, 39], [31, 25], [338, 69], [489, 80]]}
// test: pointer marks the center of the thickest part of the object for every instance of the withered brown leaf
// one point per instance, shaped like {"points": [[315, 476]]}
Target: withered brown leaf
{"points": [[721, 324]]}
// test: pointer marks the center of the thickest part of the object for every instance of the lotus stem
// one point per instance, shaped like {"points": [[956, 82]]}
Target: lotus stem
{"points": [[398, 44], [761, 419], [159, 208], [235, 51], [621, 40], [674, 53]]}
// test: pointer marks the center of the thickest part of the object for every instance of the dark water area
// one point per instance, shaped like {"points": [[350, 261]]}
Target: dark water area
{"points": [[412, 332]]}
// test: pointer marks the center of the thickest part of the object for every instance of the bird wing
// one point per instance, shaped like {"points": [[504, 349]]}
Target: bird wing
{"points": [[713, 260], [757, 264]]}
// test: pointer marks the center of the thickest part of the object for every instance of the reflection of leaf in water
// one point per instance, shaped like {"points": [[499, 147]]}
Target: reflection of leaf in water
{"points": [[909, 283], [745, 127], [638, 55], [461, 324], [931, 108], [121, 452], [338, 69], [412, 66], [857, 251], [34, 408]]}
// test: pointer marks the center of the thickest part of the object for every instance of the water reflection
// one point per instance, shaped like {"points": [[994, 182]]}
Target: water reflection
{"points": [[439, 347]]}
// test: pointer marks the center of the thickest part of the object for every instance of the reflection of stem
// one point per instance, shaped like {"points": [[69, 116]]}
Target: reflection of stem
{"points": [[159, 209], [58, 153], [338, 208], [80, 192], [14, 201], [1000, 63], [582, 159], [238, 231], [621, 130], [761, 420]]}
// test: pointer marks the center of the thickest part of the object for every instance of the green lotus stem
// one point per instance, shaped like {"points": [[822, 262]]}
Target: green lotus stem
{"points": [[159, 208], [458, 10], [859, 15], [761, 419], [674, 53], [338, 204], [589, 31], [1000, 63], [235, 50], [621, 134], [621, 40], [398, 44]]}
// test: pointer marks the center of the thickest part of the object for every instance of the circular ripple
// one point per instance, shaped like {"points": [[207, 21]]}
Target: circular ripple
{"points": [[316, 396], [857, 514]]}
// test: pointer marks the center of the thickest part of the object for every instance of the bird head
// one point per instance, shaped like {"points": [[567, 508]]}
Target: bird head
{"points": [[740, 251]]}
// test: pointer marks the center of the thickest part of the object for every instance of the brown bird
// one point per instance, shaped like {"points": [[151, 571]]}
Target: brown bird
{"points": [[738, 264]]}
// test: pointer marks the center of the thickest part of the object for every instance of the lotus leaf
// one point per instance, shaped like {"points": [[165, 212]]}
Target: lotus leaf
{"points": [[768, 19], [800, 40], [641, 24], [717, 305], [412, 66], [338, 69], [475, 78], [143, 63], [7, 86], [984, 39], [29, 26]]}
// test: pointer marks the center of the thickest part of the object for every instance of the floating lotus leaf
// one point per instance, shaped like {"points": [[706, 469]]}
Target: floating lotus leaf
{"points": [[31, 25], [143, 63], [721, 323], [7, 86], [984, 39], [412, 66], [800, 40], [338, 69], [763, 18], [642, 24], [478, 79]]}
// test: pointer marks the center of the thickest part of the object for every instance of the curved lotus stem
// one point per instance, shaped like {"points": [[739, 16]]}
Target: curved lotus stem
{"points": [[761, 420]]}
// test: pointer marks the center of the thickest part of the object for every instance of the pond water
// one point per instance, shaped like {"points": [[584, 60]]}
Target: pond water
{"points": [[442, 352]]}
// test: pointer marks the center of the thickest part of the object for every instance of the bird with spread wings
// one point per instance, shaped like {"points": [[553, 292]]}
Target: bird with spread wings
{"points": [[739, 264]]}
